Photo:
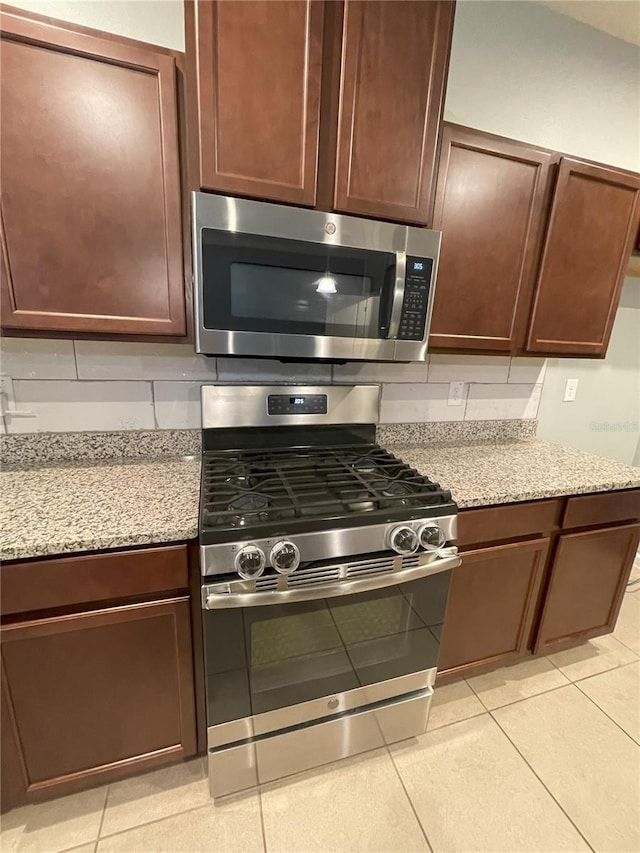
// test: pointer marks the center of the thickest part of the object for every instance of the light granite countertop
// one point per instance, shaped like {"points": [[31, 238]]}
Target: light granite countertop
{"points": [[84, 506], [486, 473], [70, 507]]}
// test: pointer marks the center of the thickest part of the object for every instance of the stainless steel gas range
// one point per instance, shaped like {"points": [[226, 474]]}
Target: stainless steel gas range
{"points": [[326, 565]]}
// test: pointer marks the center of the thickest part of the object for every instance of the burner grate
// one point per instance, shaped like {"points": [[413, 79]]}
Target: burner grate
{"points": [[250, 488]]}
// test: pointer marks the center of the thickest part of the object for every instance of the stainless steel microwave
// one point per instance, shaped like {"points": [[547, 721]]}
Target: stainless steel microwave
{"points": [[290, 283]]}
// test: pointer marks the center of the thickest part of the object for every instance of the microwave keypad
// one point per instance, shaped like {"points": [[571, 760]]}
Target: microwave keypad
{"points": [[416, 299]]}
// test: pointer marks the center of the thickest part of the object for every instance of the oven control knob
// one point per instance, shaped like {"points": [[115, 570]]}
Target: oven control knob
{"points": [[432, 537], [404, 540], [285, 557], [249, 562]]}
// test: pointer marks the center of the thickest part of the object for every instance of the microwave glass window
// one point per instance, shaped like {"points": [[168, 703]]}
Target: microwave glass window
{"points": [[268, 284], [335, 301]]}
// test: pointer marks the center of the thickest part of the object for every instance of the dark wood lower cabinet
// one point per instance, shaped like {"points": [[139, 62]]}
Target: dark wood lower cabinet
{"points": [[491, 606], [92, 696], [587, 581], [556, 586]]}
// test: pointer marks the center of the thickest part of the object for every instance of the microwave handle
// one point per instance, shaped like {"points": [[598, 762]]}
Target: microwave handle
{"points": [[398, 294]]}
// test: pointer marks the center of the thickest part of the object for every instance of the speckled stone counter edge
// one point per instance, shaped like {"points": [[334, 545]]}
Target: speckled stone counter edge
{"points": [[456, 431], [42, 447]]}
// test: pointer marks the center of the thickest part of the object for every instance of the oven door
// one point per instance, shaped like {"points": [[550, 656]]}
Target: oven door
{"points": [[321, 649], [321, 671]]}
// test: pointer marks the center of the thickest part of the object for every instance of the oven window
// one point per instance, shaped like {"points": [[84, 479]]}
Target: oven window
{"points": [[268, 284], [263, 658]]}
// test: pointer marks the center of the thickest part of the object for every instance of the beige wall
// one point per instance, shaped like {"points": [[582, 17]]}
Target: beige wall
{"points": [[520, 70], [605, 416], [156, 21]]}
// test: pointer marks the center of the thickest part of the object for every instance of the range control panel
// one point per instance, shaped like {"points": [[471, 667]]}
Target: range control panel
{"points": [[304, 404], [417, 285]]}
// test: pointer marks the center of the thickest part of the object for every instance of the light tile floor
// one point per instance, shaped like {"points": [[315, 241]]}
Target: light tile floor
{"points": [[540, 756]]}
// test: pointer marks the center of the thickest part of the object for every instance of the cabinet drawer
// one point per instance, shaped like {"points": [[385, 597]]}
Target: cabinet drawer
{"points": [[602, 508], [510, 521], [66, 581]]}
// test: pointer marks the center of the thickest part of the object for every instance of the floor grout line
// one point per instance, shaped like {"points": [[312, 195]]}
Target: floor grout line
{"points": [[155, 820], [408, 796], [525, 698], [560, 806], [615, 722], [264, 832], [455, 722], [104, 809]]}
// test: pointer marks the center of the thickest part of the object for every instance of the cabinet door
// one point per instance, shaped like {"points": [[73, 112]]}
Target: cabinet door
{"points": [[587, 582], [491, 606], [593, 222], [92, 695], [490, 200], [258, 68], [395, 56], [90, 209]]}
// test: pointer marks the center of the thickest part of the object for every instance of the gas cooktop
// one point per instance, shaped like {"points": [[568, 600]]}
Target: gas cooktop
{"points": [[253, 492]]}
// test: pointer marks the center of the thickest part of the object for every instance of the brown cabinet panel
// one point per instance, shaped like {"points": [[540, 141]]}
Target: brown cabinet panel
{"points": [[587, 582], [394, 65], [29, 585], [490, 201], [605, 508], [91, 220], [509, 521], [91, 695], [491, 606], [592, 226], [258, 73]]}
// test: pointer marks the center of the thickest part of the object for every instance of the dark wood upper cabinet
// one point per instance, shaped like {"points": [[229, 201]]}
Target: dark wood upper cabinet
{"points": [[592, 226], [91, 206], [394, 63], [335, 105], [258, 73], [490, 205]]}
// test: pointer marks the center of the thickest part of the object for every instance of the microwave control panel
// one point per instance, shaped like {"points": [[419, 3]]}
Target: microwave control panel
{"points": [[417, 284]]}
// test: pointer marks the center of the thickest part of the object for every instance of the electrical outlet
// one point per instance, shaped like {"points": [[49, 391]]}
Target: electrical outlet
{"points": [[456, 393], [570, 391]]}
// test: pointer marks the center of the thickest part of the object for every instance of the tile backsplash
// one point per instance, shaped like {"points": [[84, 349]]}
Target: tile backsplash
{"points": [[67, 386]]}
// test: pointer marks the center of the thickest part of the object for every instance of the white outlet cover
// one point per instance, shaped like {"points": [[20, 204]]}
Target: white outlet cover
{"points": [[456, 394], [570, 391]]}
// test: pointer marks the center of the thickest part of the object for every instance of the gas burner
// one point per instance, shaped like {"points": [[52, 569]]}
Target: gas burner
{"points": [[245, 520], [241, 481], [396, 489], [249, 502], [359, 500]]}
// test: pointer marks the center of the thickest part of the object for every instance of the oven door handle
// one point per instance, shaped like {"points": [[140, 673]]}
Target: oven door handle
{"points": [[219, 596]]}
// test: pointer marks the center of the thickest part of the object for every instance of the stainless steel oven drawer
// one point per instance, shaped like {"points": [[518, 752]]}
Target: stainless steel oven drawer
{"points": [[273, 757]]}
